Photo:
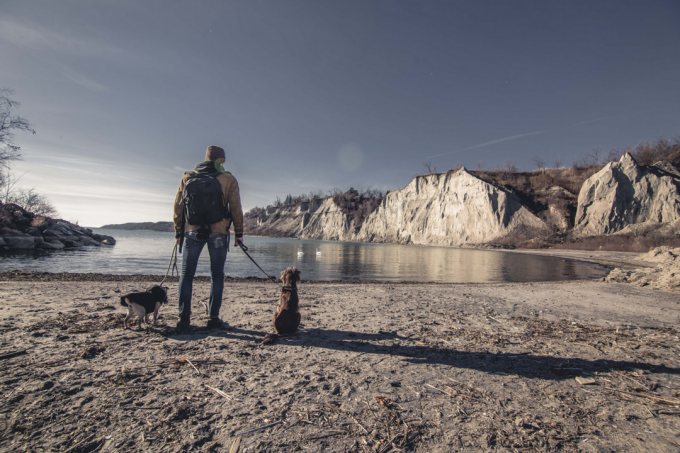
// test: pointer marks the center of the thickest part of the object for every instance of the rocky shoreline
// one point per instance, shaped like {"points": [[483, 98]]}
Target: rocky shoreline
{"points": [[23, 230]]}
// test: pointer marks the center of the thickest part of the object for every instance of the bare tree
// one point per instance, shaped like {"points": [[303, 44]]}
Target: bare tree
{"points": [[33, 202], [480, 165], [558, 162], [428, 166], [458, 166], [9, 123], [8, 183], [510, 166], [539, 162], [595, 156]]}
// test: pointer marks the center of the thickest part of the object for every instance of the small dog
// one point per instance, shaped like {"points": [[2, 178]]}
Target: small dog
{"points": [[287, 316], [143, 304]]}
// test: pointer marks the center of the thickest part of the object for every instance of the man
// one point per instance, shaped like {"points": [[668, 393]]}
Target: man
{"points": [[215, 234]]}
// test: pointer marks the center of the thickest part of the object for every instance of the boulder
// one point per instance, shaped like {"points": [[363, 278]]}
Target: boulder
{"points": [[20, 241], [106, 240], [33, 232], [50, 246], [625, 193]]}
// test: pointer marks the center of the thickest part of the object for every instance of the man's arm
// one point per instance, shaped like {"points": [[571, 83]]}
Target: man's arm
{"points": [[177, 217], [236, 211]]}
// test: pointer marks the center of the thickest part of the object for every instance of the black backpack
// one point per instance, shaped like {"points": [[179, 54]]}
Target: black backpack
{"points": [[202, 198]]}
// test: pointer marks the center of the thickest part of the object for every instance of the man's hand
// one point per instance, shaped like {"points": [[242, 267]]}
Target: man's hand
{"points": [[178, 240], [238, 241]]}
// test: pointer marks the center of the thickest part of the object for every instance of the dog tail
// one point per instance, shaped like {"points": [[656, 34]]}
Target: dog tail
{"points": [[122, 301], [270, 338]]}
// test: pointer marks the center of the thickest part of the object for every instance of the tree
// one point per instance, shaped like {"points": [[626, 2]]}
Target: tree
{"points": [[510, 166], [33, 202], [428, 166], [539, 162], [595, 156], [9, 123], [558, 162]]}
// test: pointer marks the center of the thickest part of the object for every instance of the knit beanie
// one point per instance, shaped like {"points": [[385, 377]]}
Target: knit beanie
{"points": [[213, 153]]}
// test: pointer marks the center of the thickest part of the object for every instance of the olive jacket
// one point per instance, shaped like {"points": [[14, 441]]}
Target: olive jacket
{"points": [[230, 195]]}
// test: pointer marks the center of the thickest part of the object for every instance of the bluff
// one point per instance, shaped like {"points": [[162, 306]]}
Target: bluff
{"points": [[453, 208], [318, 219], [23, 230], [625, 193]]}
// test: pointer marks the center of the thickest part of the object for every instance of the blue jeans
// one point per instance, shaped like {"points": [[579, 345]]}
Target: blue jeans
{"points": [[218, 245]]}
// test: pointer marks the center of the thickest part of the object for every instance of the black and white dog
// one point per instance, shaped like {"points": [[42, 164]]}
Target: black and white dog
{"points": [[143, 304]]}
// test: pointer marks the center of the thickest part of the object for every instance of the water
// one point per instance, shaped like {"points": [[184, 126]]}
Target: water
{"points": [[148, 252]]}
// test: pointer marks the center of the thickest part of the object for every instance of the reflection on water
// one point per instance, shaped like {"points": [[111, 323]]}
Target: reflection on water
{"points": [[147, 252]]}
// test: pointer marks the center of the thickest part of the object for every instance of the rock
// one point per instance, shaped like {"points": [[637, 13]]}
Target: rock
{"points": [[107, 240], [453, 208], [20, 241], [665, 276], [50, 245], [625, 193], [33, 232]]}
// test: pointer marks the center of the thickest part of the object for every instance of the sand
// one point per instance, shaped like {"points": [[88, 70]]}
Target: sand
{"points": [[375, 368]]}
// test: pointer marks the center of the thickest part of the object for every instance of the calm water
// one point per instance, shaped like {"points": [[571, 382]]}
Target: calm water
{"points": [[147, 252]]}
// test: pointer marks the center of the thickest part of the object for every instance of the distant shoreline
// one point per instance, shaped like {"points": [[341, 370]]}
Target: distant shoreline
{"points": [[144, 226]]}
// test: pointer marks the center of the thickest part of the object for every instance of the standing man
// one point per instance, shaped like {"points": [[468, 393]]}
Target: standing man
{"points": [[207, 202]]}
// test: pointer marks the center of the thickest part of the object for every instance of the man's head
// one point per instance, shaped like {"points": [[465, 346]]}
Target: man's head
{"points": [[214, 153]]}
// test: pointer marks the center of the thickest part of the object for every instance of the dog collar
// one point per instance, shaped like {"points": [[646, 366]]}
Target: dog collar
{"points": [[288, 289]]}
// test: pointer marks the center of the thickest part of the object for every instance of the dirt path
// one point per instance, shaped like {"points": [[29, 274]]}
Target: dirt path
{"points": [[376, 368]]}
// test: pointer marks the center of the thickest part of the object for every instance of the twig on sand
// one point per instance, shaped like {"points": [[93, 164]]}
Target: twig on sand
{"points": [[360, 425], [652, 397], [192, 366], [219, 392], [80, 443], [12, 354], [184, 359], [326, 435], [258, 429]]}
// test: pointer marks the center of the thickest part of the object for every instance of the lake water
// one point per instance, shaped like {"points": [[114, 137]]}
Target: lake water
{"points": [[148, 252]]}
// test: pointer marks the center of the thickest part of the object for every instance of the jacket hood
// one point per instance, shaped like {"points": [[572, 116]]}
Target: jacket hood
{"points": [[208, 167]]}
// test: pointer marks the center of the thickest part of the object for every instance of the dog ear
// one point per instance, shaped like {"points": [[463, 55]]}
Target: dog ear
{"points": [[296, 274]]}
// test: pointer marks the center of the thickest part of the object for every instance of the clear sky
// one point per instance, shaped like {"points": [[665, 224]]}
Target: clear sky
{"points": [[313, 94]]}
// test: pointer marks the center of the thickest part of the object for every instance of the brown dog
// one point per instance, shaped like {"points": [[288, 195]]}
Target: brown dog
{"points": [[287, 316]]}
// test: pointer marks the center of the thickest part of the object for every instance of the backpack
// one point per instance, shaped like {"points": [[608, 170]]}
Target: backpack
{"points": [[202, 198]]}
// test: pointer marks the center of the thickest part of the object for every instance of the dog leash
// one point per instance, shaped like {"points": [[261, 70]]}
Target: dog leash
{"points": [[245, 250], [171, 265]]}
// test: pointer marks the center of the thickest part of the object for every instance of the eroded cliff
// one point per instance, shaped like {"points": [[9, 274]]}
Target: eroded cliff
{"points": [[453, 208], [624, 193]]}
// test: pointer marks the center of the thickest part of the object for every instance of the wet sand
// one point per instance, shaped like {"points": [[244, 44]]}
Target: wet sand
{"points": [[375, 367]]}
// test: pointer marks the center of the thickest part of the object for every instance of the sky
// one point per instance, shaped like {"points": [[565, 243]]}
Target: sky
{"points": [[313, 94]]}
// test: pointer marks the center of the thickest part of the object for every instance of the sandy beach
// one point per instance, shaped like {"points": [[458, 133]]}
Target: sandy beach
{"points": [[572, 366]]}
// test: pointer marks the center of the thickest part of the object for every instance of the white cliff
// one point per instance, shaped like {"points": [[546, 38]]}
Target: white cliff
{"points": [[318, 219], [624, 193], [454, 208]]}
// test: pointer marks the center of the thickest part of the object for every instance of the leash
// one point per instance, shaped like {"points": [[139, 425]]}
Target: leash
{"points": [[171, 265], [245, 250]]}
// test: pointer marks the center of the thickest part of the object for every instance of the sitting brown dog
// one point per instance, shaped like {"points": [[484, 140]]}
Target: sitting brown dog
{"points": [[287, 316]]}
